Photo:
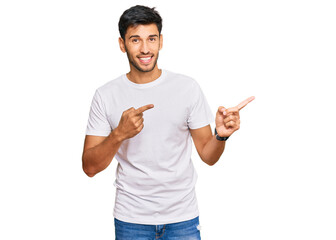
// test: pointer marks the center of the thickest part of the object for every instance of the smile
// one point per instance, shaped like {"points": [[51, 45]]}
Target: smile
{"points": [[145, 60]]}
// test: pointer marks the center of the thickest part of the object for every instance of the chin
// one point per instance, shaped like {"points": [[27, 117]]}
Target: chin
{"points": [[148, 68]]}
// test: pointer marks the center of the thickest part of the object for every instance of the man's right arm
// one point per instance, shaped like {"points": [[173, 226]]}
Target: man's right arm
{"points": [[99, 151]]}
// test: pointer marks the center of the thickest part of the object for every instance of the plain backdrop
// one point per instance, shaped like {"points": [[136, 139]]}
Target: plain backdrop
{"points": [[276, 178]]}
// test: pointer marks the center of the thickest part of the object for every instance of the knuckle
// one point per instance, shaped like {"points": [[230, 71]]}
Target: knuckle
{"points": [[128, 111], [139, 123], [140, 128]]}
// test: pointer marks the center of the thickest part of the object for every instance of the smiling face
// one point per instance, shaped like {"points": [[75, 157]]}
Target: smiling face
{"points": [[142, 45]]}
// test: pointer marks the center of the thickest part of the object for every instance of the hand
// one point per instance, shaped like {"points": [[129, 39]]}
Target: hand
{"points": [[228, 120], [131, 121]]}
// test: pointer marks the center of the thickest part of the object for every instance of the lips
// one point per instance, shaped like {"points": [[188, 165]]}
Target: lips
{"points": [[145, 60]]}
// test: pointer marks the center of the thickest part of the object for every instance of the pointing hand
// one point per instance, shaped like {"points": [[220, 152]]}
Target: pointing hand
{"points": [[131, 121], [228, 120]]}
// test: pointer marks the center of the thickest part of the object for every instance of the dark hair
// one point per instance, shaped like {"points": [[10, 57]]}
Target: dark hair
{"points": [[139, 15]]}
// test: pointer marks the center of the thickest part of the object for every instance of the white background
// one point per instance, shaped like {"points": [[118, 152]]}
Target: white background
{"points": [[276, 178]]}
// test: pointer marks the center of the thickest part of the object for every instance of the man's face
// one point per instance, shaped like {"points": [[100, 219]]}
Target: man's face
{"points": [[142, 45]]}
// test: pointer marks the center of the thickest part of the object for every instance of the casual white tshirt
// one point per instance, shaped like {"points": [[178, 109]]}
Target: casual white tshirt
{"points": [[155, 176]]}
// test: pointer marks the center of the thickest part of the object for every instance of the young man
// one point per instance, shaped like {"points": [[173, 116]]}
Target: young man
{"points": [[155, 178]]}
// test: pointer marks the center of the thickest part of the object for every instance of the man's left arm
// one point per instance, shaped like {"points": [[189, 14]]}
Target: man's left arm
{"points": [[208, 147], [227, 122]]}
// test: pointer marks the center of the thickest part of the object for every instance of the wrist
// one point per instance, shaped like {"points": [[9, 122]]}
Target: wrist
{"points": [[219, 138], [117, 135]]}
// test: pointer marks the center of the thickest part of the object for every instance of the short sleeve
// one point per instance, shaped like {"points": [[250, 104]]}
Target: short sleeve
{"points": [[200, 113], [98, 124]]}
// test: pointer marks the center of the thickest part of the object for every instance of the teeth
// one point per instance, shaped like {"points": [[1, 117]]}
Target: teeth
{"points": [[145, 59]]}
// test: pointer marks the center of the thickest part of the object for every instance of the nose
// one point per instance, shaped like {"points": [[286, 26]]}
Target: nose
{"points": [[144, 48]]}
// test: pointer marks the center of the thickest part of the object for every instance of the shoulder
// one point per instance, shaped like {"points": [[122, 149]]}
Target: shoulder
{"points": [[181, 78], [110, 86]]}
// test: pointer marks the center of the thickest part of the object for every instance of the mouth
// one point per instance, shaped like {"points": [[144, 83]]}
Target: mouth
{"points": [[146, 59]]}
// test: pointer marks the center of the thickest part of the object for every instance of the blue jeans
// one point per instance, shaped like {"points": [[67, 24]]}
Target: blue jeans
{"points": [[186, 230]]}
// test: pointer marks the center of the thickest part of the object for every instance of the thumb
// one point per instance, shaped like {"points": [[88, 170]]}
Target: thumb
{"points": [[222, 110], [129, 110]]}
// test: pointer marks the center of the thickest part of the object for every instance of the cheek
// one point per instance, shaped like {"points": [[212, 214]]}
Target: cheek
{"points": [[155, 47], [159, 46], [132, 48]]}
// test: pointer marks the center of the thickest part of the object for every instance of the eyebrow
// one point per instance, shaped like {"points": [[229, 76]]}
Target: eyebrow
{"points": [[134, 36], [137, 36]]}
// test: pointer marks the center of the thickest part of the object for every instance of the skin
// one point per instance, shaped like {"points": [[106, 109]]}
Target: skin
{"points": [[227, 122], [140, 42]]}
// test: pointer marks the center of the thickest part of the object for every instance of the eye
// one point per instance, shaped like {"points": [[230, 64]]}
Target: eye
{"points": [[152, 39], [134, 40]]}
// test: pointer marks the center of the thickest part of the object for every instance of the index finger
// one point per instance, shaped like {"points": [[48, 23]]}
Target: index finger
{"points": [[245, 102], [143, 108]]}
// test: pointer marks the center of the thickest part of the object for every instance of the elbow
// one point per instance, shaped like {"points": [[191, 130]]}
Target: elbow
{"points": [[210, 162], [88, 172]]}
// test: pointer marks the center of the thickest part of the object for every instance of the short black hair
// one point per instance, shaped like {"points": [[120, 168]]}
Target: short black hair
{"points": [[139, 15]]}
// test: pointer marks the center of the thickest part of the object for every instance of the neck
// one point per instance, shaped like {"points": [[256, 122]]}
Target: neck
{"points": [[139, 77]]}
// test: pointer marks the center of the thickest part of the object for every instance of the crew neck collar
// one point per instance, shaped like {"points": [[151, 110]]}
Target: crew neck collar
{"points": [[145, 85]]}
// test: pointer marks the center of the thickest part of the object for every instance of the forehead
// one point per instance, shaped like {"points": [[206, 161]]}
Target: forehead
{"points": [[142, 30]]}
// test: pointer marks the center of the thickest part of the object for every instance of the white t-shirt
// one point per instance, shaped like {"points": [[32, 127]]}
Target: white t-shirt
{"points": [[155, 176]]}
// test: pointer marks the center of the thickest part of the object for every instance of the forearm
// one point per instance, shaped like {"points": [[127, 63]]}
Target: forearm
{"points": [[212, 151], [98, 158]]}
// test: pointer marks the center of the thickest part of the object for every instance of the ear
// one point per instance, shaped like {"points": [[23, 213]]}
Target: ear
{"points": [[122, 45], [161, 41]]}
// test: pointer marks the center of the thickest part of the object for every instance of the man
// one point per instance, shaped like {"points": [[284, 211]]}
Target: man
{"points": [[155, 178]]}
